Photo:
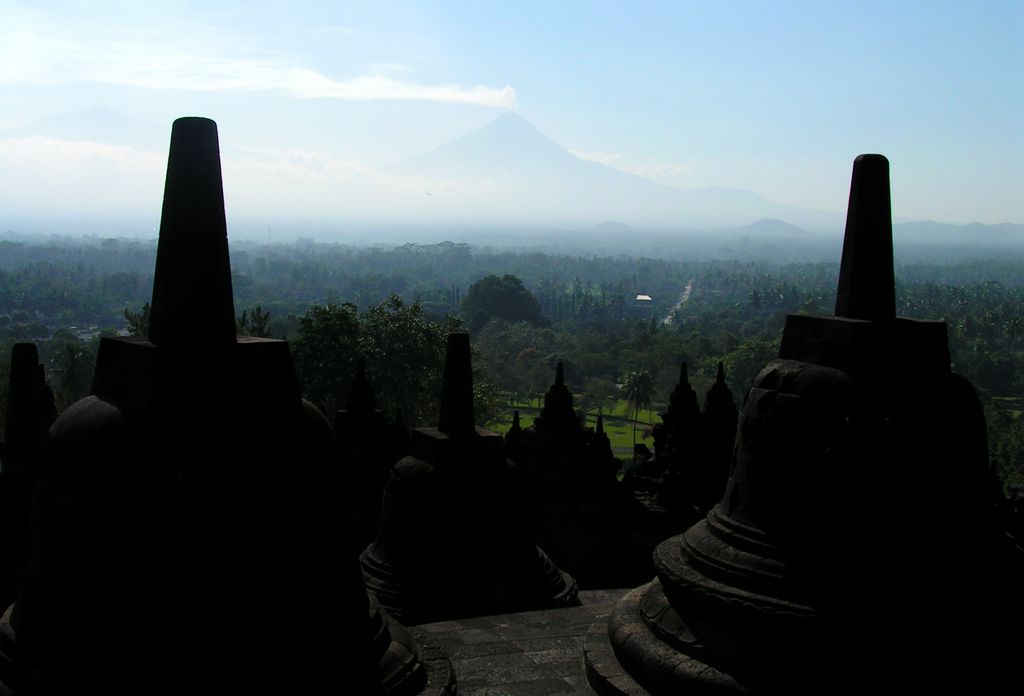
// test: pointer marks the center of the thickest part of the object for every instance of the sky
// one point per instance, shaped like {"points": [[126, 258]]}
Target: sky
{"points": [[316, 101]]}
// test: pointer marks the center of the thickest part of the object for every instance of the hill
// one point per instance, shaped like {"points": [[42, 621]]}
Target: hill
{"points": [[517, 170]]}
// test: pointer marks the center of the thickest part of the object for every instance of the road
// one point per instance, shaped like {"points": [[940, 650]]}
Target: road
{"points": [[683, 299]]}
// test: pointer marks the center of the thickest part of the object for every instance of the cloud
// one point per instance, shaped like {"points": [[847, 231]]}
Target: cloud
{"points": [[311, 183], [23, 151], [300, 164], [310, 84], [31, 52], [606, 158], [660, 170], [663, 172], [45, 175], [40, 175]]}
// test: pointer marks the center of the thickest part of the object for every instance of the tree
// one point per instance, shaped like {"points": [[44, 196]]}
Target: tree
{"points": [[325, 351], [744, 362], [255, 323], [5, 380], [71, 365], [404, 351], [138, 322], [639, 388], [501, 297], [602, 392], [1006, 444], [513, 355], [488, 405]]}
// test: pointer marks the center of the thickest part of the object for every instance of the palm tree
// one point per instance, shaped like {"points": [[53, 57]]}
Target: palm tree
{"points": [[639, 388], [138, 322], [73, 367]]}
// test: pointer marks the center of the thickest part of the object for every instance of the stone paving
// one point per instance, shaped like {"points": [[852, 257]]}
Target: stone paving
{"points": [[532, 653]]}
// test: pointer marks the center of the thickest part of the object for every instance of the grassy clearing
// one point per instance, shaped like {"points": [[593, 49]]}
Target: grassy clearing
{"points": [[618, 424], [1013, 404]]}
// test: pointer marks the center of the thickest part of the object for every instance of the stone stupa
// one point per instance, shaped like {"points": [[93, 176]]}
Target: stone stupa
{"points": [[680, 449], [181, 538], [455, 540], [30, 412], [578, 507], [855, 548], [368, 445]]}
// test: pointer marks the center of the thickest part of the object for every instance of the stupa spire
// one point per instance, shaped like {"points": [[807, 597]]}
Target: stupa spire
{"points": [[192, 280], [683, 398], [457, 388], [360, 394], [30, 409], [867, 286]]}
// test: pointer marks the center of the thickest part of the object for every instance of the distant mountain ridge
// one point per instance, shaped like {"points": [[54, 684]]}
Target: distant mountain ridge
{"points": [[770, 227], [511, 156], [97, 124], [505, 174], [975, 233]]}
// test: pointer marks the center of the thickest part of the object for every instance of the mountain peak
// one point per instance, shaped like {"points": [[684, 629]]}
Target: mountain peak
{"points": [[511, 119], [98, 124], [511, 166], [512, 126], [507, 140]]}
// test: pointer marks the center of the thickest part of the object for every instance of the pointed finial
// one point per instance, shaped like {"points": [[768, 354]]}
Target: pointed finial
{"points": [[720, 376], [360, 394], [515, 420], [24, 364], [684, 377], [192, 282], [30, 409], [22, 386], [867, 288], [457, 388], [600, 423], [559, 374]]}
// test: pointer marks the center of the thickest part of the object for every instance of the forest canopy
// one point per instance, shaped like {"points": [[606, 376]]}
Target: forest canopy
{"points": [[526, 312]]}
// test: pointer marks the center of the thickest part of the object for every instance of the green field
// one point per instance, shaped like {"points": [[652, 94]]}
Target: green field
{"points": [[618, 424]]}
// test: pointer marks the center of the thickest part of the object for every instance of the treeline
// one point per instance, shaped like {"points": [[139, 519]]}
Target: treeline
{"points": [[588, 314]]}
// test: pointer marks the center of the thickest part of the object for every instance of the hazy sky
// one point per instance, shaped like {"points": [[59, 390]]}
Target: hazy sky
{"points": [[775, 97]]}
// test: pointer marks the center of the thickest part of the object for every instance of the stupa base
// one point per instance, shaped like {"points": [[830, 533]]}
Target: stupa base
{"points": [[441, 679], [408, 664], [623, 656], [426, 599]]}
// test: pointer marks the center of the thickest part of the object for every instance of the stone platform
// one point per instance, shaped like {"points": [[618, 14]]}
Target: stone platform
{"points": [[533, 653]]}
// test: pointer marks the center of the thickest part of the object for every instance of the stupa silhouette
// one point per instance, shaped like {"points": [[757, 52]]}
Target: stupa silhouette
{"points": [[181, 538], [855, 547], [454, 538]]}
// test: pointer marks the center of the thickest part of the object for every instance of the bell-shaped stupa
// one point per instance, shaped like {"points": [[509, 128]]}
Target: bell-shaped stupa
{"points": [[680, 449], [455, 540], [367, 448], [181, 538], [855, 547], [30, 412], [720, 416], [579, 509]]}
